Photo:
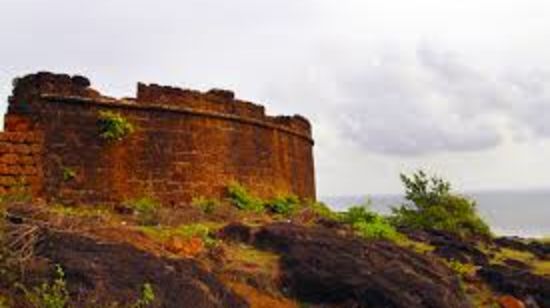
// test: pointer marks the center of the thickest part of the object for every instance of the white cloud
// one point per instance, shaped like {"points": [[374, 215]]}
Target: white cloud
{"points": [[457, 86]]}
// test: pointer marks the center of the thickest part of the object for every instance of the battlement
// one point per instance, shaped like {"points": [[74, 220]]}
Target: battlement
{"points": [[33, 85], [186, 144], [216, 102]]}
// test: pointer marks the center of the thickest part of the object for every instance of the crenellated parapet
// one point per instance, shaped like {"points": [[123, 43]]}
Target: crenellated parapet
{"points": [[33, 85], [215, 102]]}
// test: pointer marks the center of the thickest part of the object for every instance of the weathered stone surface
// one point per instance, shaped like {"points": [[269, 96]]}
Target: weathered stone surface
{"points": [[224, 95], [116, 272], [517, 282], [513, 278], [540, 249], [236, 232], [323, 268], [450, 246], [20, 163], [80, 81]]}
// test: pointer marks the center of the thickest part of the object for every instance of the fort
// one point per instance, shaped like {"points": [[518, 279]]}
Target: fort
{"points": [[184, 144]]}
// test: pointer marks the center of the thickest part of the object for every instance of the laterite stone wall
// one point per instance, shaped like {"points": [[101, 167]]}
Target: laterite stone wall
{"points": [[186, 144], [20, 167]]}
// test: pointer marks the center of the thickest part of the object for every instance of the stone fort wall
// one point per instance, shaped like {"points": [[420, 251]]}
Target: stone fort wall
{"points": [[20, 164], [186, 144]]}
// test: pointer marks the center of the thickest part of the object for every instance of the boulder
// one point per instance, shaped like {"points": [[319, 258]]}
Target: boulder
{"points": [[539, 249], [111, 273], [323, 268], [517, 282], [452, 247]]}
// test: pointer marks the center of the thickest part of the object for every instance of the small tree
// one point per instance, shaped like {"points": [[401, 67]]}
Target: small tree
{"points": [[432, 205]]}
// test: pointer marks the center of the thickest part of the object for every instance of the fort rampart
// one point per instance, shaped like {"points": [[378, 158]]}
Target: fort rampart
{"points": [[185, 144]]}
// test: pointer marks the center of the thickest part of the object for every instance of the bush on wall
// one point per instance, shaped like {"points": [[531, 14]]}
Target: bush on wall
{"points": [[113, 126]]}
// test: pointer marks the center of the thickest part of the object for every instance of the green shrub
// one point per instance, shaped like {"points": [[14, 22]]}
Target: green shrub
{"points": [[207, 205], [242, 199], [146, 209], [433, 206], [147, 297], [113, 126], [68, 174], [97, 211], [49, 295], [193, 230], [379, 228], [19, 192], [283, 205], [358, 213], [369, 224], [199, 230], [322, 210]]}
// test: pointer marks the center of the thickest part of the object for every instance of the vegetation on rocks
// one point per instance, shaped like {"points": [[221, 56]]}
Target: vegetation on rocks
{"points": [[242, 199], [185, 232], [207, 205], [322, 210], [19, 193], [145, 209], [368, 223], [283, 205], [280, 252], [147, 297], [49, 295]]}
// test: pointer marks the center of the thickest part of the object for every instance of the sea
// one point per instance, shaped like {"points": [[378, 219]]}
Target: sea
{"points": [[508, 213]]}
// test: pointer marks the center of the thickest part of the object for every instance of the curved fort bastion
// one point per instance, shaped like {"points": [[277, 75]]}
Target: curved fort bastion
{"points": [[186, 144]]}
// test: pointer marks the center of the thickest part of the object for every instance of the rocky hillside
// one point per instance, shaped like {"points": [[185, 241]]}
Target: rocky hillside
{"points": [[242, 251], [222, 256]]}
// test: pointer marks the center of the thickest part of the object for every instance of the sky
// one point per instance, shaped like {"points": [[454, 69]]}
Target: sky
{"points": [[457, 88]]}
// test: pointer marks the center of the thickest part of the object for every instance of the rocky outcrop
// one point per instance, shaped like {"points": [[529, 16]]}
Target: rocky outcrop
{"points": [[116, 272], [320, 267], [450, 246], [539, 249], [519, 283], [514, 277]]}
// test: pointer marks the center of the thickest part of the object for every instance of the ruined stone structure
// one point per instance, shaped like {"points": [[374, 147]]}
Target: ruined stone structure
{"points": [[186, 144]]}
